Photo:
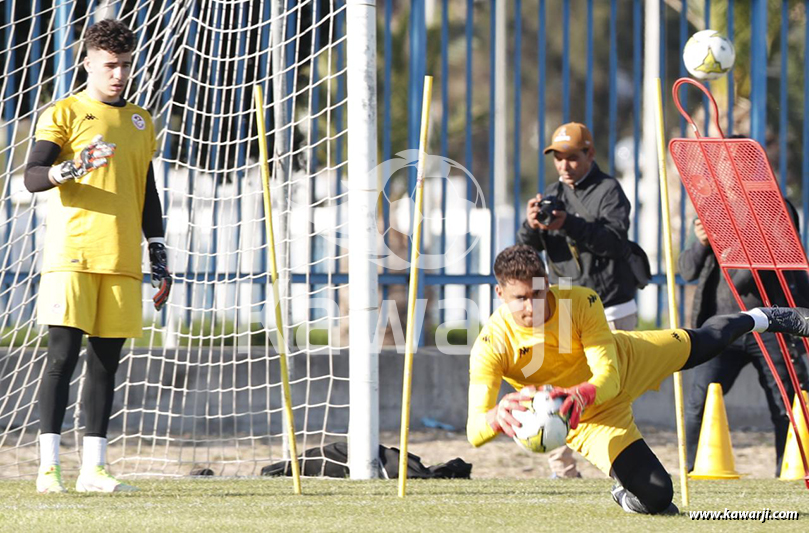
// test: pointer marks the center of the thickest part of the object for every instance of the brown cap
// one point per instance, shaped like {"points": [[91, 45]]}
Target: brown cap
{"points": [[569, 138]]}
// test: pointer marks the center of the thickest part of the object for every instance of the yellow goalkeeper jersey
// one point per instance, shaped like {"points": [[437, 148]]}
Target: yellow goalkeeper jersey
{"points": [[575, 345], [94, 223]]}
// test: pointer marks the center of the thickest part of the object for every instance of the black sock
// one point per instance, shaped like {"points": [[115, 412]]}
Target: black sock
{"points": [[103, 356], [64, 345], [716, 334], [648, 485]]}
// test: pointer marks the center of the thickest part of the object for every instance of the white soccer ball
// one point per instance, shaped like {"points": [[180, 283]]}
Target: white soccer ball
{"points": [[708, 55], [543, 428]]}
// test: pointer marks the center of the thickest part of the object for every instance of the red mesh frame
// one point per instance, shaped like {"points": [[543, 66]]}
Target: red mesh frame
{"points": [[735, 194]]}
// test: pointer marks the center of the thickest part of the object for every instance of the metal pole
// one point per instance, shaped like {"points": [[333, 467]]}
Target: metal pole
{"points": [[500, 128], [280, 160], [647, 185], [758, 71], [363, 308], [64, 55]]}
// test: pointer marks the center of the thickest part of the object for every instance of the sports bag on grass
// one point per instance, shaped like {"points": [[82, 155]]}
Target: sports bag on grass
{"points": [[335, 456]]}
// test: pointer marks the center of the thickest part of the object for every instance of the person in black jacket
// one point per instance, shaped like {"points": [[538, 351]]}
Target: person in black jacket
{"points": [[592, 254], [585, 238], [714, 297]]}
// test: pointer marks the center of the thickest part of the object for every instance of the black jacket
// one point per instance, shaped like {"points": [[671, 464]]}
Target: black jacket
{"points": [[602, 245], [713, 295]]}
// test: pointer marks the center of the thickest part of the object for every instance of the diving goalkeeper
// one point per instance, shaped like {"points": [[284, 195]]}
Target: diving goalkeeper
{"points": [[548, 335], [93, 155]]}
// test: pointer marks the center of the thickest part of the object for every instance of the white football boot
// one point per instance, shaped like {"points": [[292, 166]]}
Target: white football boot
{"points": [[97, 479], [49, 480]]}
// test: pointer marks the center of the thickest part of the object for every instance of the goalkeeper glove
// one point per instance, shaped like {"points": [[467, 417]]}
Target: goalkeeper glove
{"points": [[93, 156], [500, 418], [161, 277], [575, 400]]}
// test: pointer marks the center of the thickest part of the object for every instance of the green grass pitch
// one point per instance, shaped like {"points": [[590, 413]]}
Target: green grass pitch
{"points": [[254, 504]]}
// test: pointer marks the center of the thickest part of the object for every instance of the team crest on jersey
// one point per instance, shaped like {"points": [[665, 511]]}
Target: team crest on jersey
{"points": [[138, 121]]}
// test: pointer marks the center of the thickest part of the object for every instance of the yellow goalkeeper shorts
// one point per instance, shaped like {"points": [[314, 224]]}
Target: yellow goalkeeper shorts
{"points": [[651, 356], [101, 305]]}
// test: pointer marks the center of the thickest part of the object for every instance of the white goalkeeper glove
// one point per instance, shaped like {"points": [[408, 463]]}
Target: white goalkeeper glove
{"points": [[92, 156]]}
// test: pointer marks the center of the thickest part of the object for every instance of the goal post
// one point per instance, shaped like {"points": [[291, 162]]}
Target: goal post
{"points": [[363, 306], [201, 389]]}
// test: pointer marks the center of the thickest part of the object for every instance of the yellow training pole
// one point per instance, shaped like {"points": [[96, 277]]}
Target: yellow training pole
{"points": [[670, 284], [279, 319], [407, 377]]}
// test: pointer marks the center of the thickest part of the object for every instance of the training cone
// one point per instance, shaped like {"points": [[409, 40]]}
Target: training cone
{"points": [[714, 452], [792, 465]]}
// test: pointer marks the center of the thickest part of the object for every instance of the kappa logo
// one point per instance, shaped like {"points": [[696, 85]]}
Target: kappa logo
{"points": [[524, 350], [486, 339], [89, 116], [563, 136], [676, 336], [592, 299], [138, 121]]}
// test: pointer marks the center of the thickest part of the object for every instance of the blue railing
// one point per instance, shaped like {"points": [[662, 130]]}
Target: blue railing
{"points": [[575, 22], [567, 60]]}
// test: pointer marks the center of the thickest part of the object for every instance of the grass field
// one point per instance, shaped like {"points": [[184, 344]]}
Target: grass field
{"points": [[253, 504]]}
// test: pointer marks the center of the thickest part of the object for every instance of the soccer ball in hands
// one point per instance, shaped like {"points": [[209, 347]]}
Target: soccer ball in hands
{"points": [[543, 428], [708, 55]]}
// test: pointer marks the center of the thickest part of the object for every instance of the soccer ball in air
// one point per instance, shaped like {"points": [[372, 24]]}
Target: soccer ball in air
{"points": [[708, 55], [543, 428]]}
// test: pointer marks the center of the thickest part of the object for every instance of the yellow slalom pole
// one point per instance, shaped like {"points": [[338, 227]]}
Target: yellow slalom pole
{"points": [[279, 319], [671, 286], [407, 377]]}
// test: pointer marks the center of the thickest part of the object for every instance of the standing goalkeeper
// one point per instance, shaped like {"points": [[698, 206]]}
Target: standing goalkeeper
{"points": [[547, 335], [93, 152]]}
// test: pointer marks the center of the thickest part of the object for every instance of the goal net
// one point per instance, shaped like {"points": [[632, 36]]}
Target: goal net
{"points": [[201, 388]]}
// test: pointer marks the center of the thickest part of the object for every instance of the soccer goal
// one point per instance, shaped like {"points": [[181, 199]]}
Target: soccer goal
{"points": [[201, 388]]}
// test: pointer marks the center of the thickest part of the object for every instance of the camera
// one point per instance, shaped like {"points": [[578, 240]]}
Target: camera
{"points": [[547, 206]]}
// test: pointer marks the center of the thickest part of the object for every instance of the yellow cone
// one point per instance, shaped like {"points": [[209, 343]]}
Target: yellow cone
{"points": [[792, 465], [714, 452]]}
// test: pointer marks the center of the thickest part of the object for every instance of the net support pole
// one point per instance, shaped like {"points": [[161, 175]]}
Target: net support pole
{"points": [[363, 305], [671, 288], [281, 175], [647, 185]]}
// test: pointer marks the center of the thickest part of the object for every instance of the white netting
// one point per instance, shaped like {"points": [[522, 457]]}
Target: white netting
{"points": [[201, 388]]}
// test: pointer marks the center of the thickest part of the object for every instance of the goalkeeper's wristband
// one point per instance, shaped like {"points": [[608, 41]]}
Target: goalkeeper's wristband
{"points": [[65, 171], [93, 156]]}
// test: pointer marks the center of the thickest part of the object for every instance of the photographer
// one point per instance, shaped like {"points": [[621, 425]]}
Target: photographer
{"points": [[581, 222]]}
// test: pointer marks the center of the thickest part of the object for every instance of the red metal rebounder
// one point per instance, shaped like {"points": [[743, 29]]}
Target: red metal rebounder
{"points": [[733, 189]]}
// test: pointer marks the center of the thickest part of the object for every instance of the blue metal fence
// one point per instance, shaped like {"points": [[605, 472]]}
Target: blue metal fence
{"points": [[573, 22], [563, 64]]}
